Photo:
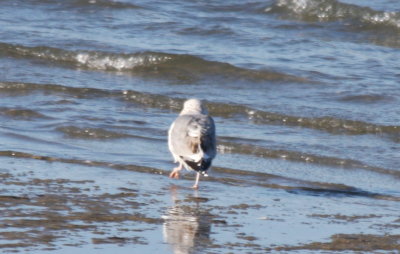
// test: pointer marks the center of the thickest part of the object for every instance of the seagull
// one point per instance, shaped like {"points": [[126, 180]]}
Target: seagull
{"points": [[191, 140]]}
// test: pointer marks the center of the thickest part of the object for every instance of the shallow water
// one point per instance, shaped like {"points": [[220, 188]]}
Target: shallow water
{"points": [[304, 95]]}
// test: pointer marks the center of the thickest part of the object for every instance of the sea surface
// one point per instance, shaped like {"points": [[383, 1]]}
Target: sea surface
{"points": [[305, 95]]}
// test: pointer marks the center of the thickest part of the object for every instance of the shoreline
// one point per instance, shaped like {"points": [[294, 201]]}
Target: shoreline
{"points": [[53, 207]]}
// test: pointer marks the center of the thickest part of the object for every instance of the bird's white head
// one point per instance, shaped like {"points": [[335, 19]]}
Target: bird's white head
{"points": [[193, 106]]}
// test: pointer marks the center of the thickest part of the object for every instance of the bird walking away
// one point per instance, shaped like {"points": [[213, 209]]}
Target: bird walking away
{"points": [[191, 140]]}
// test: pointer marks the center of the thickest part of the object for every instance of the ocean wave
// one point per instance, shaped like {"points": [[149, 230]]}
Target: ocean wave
{"points": [[324, 123], [333, 10], [103, 4], [225, 145], [87, 59], [366, 98], [225, 176], [76, 132], [223, 110], [90, 133], [147, 64], [21, 113]]}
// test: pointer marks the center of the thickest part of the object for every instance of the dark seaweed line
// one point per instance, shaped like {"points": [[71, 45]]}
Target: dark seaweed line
{"points": [[226, 176], [326, 124]]}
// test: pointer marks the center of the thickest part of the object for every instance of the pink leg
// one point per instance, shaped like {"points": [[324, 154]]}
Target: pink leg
{"points": [[196, 183], [175, 171]]}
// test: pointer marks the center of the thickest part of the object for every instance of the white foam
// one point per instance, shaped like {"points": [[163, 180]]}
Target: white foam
{"points": [[120, 63]]}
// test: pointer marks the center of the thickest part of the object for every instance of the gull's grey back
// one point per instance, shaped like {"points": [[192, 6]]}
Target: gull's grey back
{"points": [[186, 128]]}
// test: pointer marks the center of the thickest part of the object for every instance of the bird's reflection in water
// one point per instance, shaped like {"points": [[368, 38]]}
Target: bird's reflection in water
{"points": [[186, 227]]}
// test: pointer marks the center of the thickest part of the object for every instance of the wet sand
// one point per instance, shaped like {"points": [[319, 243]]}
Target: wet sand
{"points": [[84, 207]]}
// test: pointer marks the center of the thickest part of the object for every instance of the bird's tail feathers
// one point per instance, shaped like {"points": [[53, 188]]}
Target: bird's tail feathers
{"points": [[200, 166]]}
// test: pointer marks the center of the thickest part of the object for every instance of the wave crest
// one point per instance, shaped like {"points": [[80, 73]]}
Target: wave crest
{"points": [[147, 64], [119, 62], [332, 10]]}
